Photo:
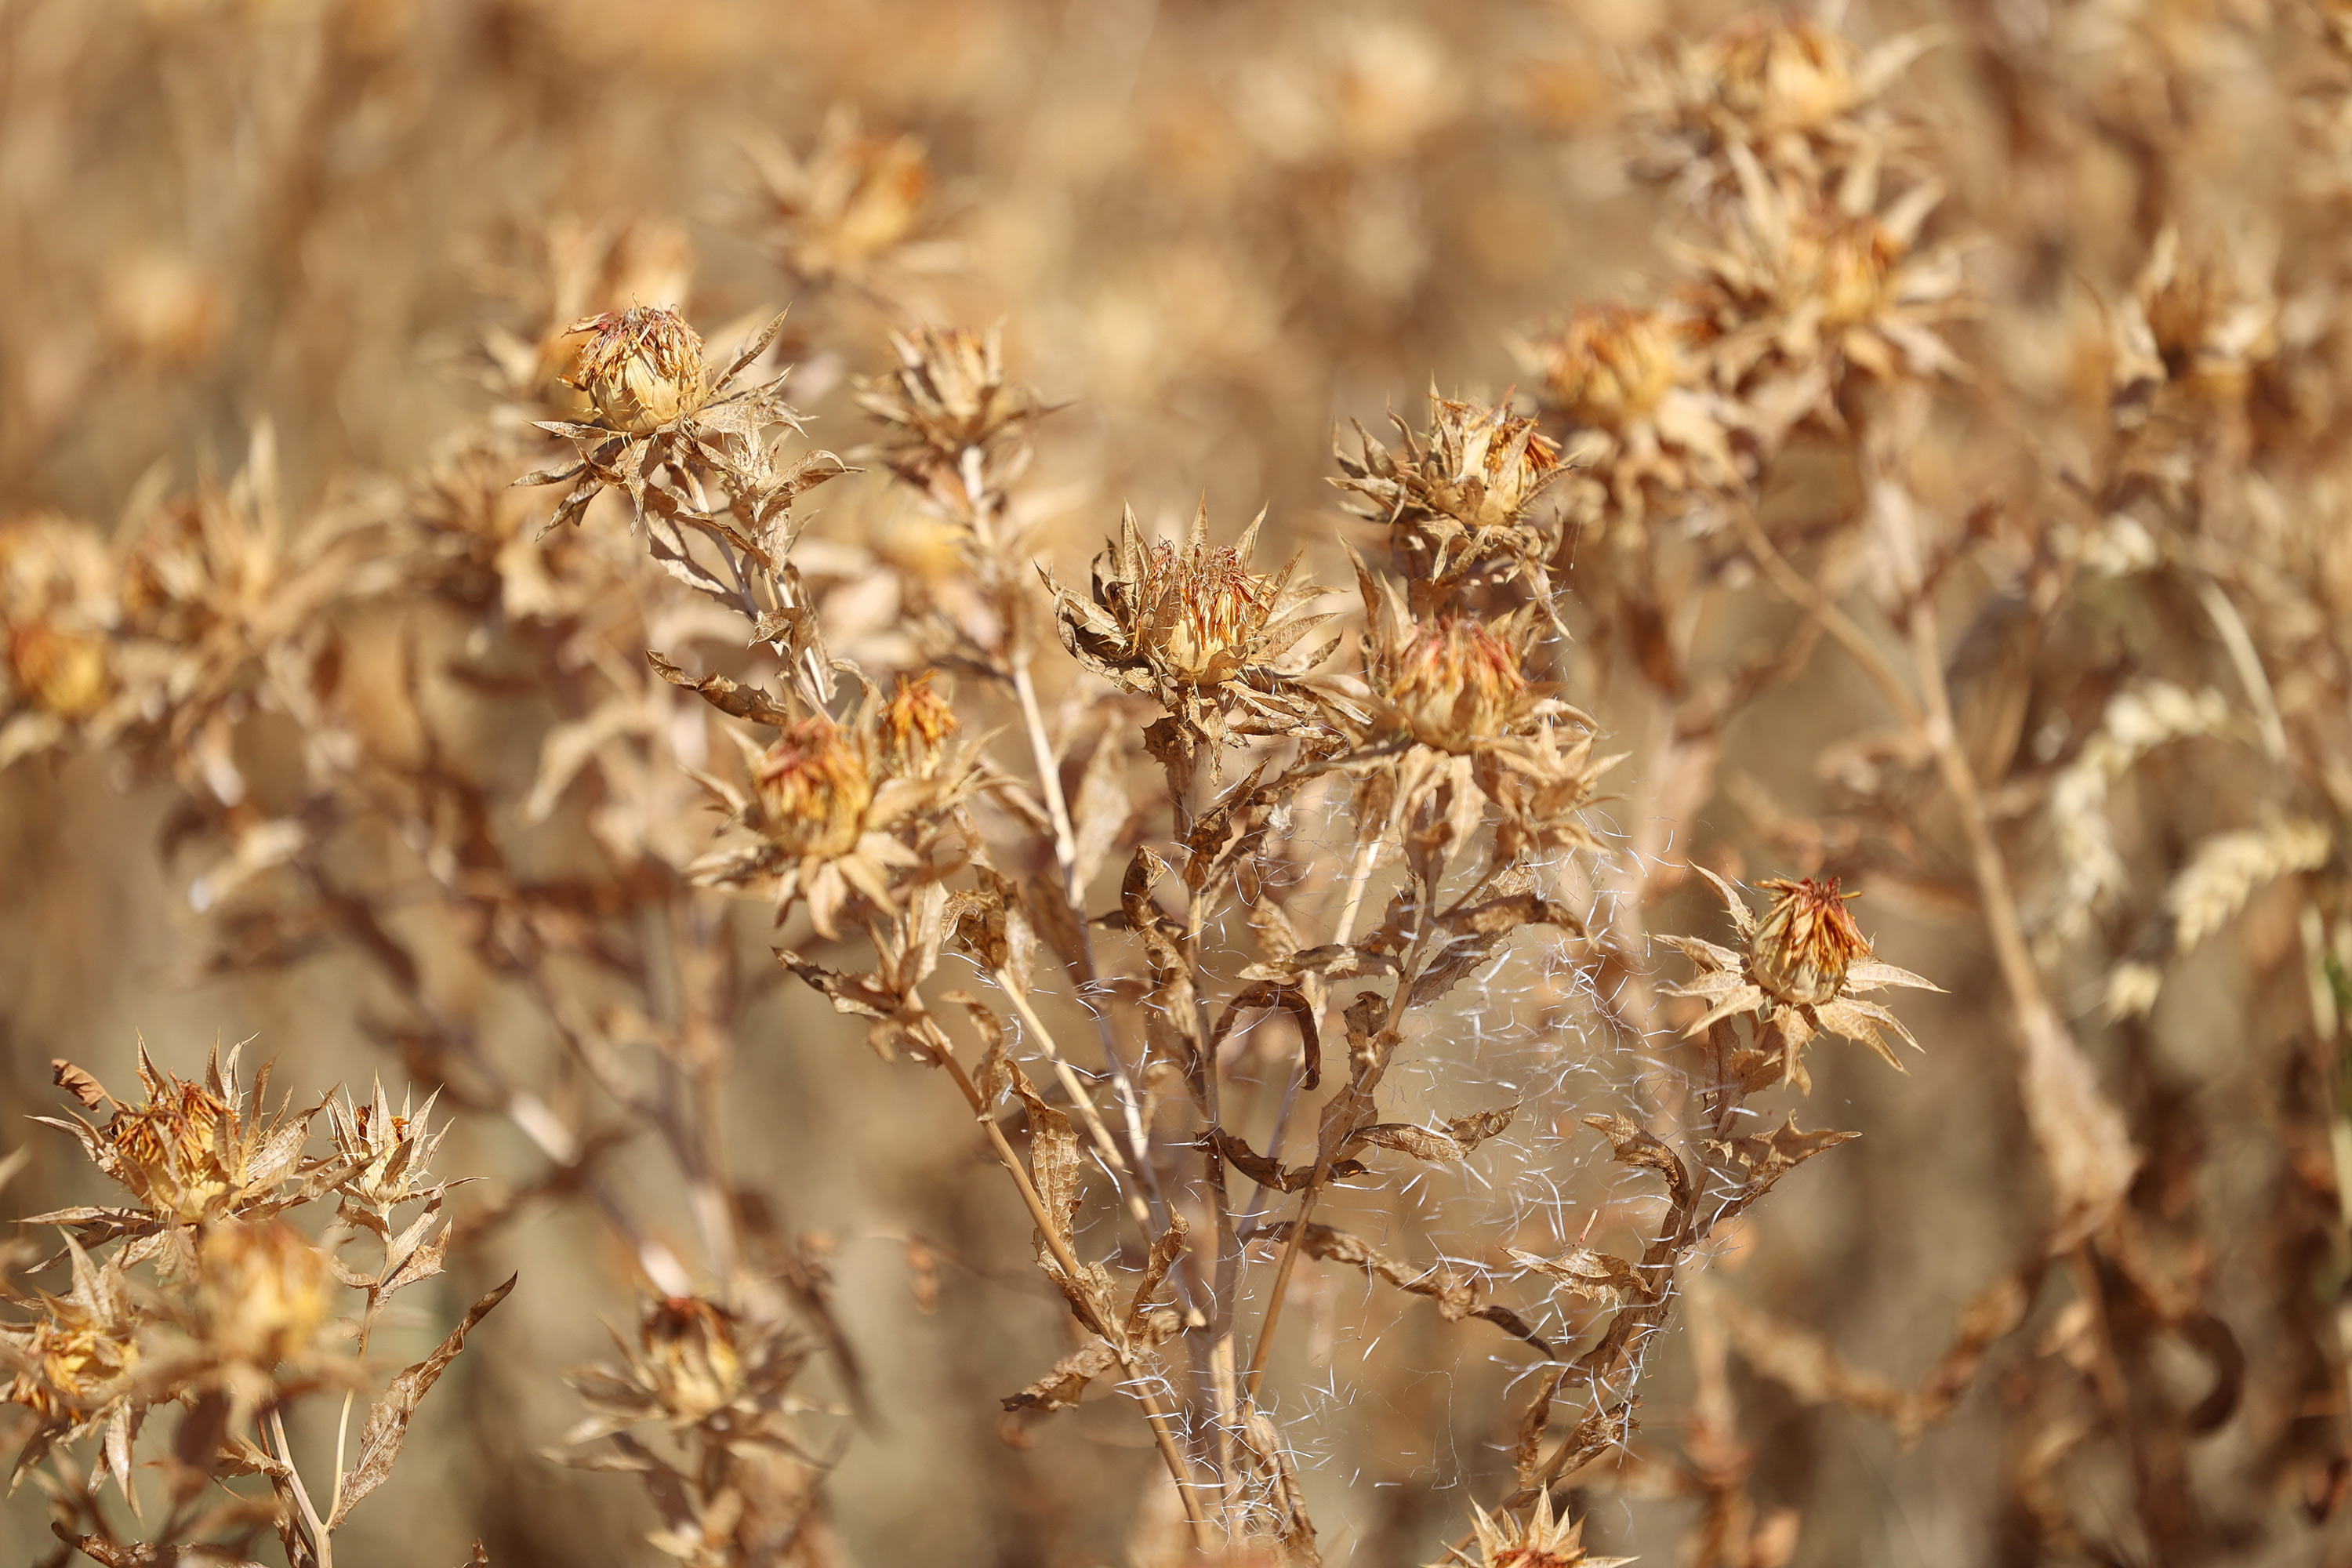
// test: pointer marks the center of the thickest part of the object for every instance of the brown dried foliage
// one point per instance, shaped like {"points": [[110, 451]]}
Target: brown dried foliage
{"points": [[1257, 978]]}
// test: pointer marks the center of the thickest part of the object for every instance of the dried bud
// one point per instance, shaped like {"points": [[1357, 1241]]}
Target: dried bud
{"points": [[690, 1363], [912, 728], [815, 785], [948, 395], [642, 369], [1539, 1542], [1805, 942], [56, 606], [1805, 962], [262, 1292], [1455, 684], [1180, 619], [189, 1154], [1777, 74], [1610, 366], [390, 1150], [81, 1355]]}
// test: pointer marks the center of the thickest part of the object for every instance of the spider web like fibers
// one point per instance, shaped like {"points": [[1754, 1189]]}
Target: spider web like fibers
{"points": [[1388, 1395]]}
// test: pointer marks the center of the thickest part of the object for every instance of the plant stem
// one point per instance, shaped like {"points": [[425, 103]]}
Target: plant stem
{"points": [[1204, 1535]]}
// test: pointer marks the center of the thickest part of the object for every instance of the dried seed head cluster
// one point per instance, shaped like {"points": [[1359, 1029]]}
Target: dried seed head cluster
{"points": [[2136, 478], [204, 1293]]}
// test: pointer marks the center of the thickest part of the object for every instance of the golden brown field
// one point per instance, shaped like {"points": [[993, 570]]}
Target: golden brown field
{"points": [[1722, 938]]}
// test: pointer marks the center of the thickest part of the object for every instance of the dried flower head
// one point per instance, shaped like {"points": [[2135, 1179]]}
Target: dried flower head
{"points": [[80, 1356], [2210, 315], [912, 728], [58, 608], [1778, 88], [1192, 625], [1802, 286], [814, 784], [1645, 428], [1774, 74], [387, 1151], [643, 368], [1540, 1541], [948, 397], [688, 1350], [694, 1363], [1802, 963], [1455, 684], [1806, 942], [841, 809], [79, 1364], [844, 211], [191, 1152], [1610, 366], [1459, 497], [262, 1293], [1452, 682]]}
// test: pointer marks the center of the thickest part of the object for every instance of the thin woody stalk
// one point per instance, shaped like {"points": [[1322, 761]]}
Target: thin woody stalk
{"points": [[1163, 1434]]}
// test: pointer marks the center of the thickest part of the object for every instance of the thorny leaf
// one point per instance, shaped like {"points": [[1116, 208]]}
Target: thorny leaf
{"points": [[388, 1418], [1455, 1292], [728, 696], [996, 1068], [1633, 1145], [1462, 1136], [1477, 931], [1268, 1173], [1101, 809], [990, 923], [896, 1021], [1166, 1248], [1053, 1169], [1060, 1388], [81, 1084], [1767, 1157], [1595, 1275]]}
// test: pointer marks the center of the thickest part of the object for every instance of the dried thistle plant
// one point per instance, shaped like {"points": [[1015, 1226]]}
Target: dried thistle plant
{"points": [[201, 1293], [1950, 510]]}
